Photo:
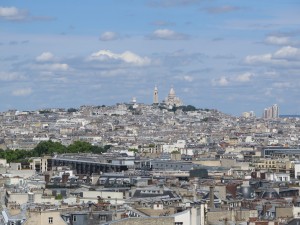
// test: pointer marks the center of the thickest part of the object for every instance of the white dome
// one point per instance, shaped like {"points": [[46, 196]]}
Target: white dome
{"points": [[172, 91]]}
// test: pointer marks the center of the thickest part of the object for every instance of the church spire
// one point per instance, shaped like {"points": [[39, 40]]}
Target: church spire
{"points": [[155, 95]]}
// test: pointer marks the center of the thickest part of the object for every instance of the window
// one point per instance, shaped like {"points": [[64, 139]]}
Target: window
{"points": [[103, 218], [50, 220], [74, 218], [178, 223]]}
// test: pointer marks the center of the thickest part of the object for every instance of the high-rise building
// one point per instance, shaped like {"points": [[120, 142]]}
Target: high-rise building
{"points": [[271, 112], [265, 114], [252, 114], [155, 95], [275, 111]]}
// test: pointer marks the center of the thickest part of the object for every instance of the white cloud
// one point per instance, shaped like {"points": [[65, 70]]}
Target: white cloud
{"points": [[172, 3], [166, 34], [223, 81], [188, 78], [252, 59], [22, 92], [245, 77], [268, 92], [46, 63], [52, 67], [108, 36], [287, 52], [10, 76], [274, 40], [271, 73], [59, 66], [127, 57], [45, 56], [282, 85], [12, 13], [222, 9], [285, 56], [162, 23], [186, 90]]}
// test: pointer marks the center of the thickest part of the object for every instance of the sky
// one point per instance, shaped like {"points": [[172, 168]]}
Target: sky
{"points": [[229, 55]]}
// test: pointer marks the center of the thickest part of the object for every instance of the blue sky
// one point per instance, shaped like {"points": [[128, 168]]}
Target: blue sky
{"points": [[233, 56]]}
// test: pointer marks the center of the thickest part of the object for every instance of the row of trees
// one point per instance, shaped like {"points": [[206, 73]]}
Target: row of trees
{"points": [[49, 148]]}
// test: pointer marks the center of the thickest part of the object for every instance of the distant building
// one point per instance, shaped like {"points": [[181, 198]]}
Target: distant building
{"points": [[133, 103], [275, 111], [271, 112], [172, 100], [248, 114], [155, 96]]}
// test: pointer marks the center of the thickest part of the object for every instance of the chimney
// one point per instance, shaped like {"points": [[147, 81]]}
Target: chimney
{"points": [[195, 192], [90, 210], [77, 199], [47, 178], [100, 200], [161, 189], [211, 197], [65, 177]]}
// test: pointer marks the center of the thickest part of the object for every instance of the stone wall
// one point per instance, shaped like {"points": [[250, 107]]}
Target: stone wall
{"points": [[145, 221]]}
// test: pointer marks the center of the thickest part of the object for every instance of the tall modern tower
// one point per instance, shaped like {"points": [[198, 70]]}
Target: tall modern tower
{"points": [[155, 95], [271, 112], [275, 111]]}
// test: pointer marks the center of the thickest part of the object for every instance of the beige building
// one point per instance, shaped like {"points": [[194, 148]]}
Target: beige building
{"points": [[145, 221], [239, 215], [37, 217], [273, 164], [40, 164]]}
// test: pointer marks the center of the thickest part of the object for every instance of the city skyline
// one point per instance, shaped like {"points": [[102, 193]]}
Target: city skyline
{"points": [[228, 55]]}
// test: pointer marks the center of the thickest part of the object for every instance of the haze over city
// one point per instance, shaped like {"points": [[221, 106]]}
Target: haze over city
{"points": [[233, 56]]}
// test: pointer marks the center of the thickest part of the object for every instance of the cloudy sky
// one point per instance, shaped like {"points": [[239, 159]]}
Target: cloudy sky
{"points": [[229, 55]]}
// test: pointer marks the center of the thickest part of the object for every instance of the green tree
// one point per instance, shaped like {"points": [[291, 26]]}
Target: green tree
{"points": [[133, 150], [80, 146], [175, 152], [106, 147], [59, 197], [174, 108], [97, 149], [71, 110], [48, 148], [44, 111]]}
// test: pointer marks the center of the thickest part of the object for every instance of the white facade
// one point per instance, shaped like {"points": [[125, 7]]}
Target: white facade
{"points": [[284, 177], [171, 100], [180, 144], [296, 212], [249, 139], [183, 217], [297, 169], [169, 148], [111, 196], [191, 216]]}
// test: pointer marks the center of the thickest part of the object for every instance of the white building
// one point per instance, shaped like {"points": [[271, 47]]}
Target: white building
{"points": [[284, 177], [171, 100]]}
